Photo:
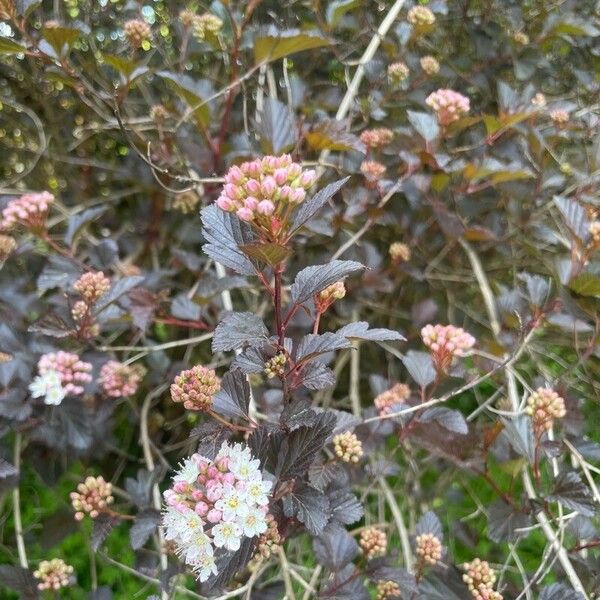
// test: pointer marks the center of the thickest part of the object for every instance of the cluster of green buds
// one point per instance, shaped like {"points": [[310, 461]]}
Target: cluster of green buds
{"points": [[325, 298], [275, 367], [388, 590], [347, 447]]}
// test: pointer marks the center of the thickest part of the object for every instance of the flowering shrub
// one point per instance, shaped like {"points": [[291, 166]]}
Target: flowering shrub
{"points": [[338, 261]]}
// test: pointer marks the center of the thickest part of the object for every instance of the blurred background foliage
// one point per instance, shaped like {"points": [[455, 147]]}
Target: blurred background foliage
{"points": [[133, 138]]}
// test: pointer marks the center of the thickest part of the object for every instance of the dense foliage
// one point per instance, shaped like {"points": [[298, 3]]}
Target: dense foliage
{"points": [[299, 299]]}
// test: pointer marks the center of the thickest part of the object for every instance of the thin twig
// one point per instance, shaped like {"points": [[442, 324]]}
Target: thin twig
{"points": [[399, 520], [17, 506]]}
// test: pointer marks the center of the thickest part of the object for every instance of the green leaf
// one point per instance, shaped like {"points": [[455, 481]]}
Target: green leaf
{"points": [[124, 66], [8, 46], [195, 93], [271, 254], [333, 135], [586, 284], [492, 124], [60, 37], [278, 44]]}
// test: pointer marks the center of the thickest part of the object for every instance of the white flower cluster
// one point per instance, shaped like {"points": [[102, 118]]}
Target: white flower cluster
{"points": [[213, 504], [49, 387]]}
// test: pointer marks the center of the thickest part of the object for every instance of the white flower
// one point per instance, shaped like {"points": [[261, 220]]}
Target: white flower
{"points": [[188, 472], [195, 547], [227, 535], [232, 504], [181, 525], [235, 453], [254, 523], [205, 566], [243, 468], [49, 387], [257, 492]]}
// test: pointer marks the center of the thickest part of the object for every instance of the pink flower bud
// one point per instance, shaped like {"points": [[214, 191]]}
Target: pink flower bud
{"points": [[201, 508], [229, 478], [270, 163], [280, 176], [253, 187], [231, 191], [251, 202], [308, 178], [180, 487], [214, 494], [294, 170], [252, 169], [284, 192], [212, 471], [265, 207], [234, 175], [225, 203], [297, 195], [213, 516], [268, 187], [245, 214]]}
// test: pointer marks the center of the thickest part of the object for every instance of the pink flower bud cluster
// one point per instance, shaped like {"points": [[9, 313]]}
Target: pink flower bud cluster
{"points": [[91, 285], [137, 32], [29, 211], [195, 387], [399, 252], [119, 380], [420, 16], [347, 447], [73, 372], [398, 72], [92, 497], [446, 342], [325, 298], [480, 579], [430, 65], [448, 105], [539, 100], [376, 138], [53, 574], [388, 590], [428, 548], [545, 405], [559, 117], [390, 400], [269, 540], [214, 504], [372, 169], [373, 542], [262, 189]]}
